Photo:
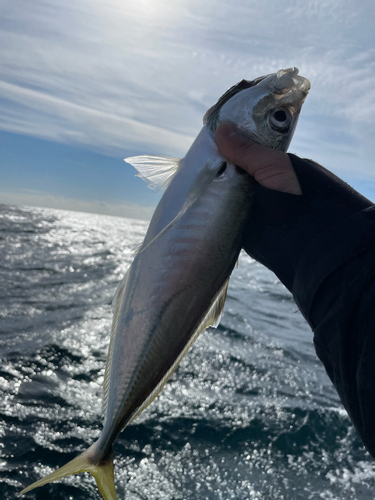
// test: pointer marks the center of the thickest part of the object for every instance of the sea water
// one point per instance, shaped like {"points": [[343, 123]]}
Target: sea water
{"points": [[249, 413]]}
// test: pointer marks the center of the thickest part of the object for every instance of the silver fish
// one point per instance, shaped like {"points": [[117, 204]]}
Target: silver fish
{"points": [[176, 285]]}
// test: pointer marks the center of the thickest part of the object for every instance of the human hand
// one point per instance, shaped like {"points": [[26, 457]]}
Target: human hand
{"points": [[269, 167]]}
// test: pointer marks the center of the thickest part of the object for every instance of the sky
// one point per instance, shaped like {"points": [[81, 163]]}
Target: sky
{"points": [[86, 83]]}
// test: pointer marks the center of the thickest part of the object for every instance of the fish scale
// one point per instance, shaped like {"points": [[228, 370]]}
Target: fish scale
{"points": [[176, 285]]}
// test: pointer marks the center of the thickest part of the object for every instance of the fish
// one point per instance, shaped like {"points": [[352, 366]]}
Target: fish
{"points": [[177, 283]]}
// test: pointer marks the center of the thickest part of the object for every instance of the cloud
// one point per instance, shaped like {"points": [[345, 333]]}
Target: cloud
{"points": [[139, 76], [74, 123], [41, 199]]}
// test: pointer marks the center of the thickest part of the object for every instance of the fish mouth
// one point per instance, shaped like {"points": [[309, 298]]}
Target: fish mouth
{"points": [[284, 81], [287, 80]]}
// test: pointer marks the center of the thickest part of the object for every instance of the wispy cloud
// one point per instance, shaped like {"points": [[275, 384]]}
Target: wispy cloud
{"points": [[138, 76], [78, 123]]}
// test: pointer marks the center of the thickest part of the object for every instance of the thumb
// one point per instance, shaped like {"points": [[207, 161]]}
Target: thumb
{"points": [[271, 168]]}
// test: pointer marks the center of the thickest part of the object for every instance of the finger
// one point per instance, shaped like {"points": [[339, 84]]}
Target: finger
{"points": [[237, 148], [271, 168]]}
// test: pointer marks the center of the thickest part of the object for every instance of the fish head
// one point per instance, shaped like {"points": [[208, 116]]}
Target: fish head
{"points": [[266, 109]]}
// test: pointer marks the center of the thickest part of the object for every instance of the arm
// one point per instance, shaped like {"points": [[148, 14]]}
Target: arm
{"points": [[321, 244]]}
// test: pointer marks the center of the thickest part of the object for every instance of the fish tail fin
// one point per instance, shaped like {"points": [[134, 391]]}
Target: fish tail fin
{"points": [[102, 472]]}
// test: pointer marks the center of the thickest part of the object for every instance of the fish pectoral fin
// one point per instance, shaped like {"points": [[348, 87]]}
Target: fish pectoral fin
{"points": [[156, 171], [103, 474], [202, 181]]}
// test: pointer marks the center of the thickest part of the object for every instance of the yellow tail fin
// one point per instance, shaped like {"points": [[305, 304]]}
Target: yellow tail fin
{"points": [[103, 474]]}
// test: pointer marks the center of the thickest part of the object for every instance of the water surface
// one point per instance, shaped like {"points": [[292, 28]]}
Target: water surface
{"points": [[249, 414]]}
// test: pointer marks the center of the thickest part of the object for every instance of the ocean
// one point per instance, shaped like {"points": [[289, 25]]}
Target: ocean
{"points": [[249, 414]]}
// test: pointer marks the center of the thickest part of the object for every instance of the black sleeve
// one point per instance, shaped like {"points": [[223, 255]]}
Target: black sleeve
{"points": [[322, 247]]}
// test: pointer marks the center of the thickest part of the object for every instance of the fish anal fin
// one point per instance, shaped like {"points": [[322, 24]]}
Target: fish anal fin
{"points": [[156, 171], [214, 313], [211, 318]]}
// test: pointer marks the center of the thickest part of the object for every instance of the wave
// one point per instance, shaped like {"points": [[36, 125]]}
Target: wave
{"points": [[249, 414]]}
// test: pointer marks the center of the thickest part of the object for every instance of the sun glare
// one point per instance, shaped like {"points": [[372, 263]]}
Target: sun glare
{"points": [[156, 10]]}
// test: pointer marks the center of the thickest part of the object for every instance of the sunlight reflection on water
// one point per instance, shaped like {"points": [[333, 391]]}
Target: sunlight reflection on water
{"points": [[249, 414]]}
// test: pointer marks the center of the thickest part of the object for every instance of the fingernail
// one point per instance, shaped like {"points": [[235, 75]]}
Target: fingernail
{"points": [[228, 129]]}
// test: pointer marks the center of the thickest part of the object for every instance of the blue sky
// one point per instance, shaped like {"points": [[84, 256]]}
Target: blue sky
{"points": [[85, 83]]}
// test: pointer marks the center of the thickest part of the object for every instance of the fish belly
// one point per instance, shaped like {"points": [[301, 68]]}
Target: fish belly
{"points": [[171, 285]]}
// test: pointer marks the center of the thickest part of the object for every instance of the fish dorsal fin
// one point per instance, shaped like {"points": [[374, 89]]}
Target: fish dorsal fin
{"points": [[136, 248], [116, 301], [156, 171], [116, 304], [212, 115], [210, 318]]}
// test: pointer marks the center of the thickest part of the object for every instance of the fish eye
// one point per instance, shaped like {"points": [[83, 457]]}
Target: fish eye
{"points": [[222, 170], [280, 119]]}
